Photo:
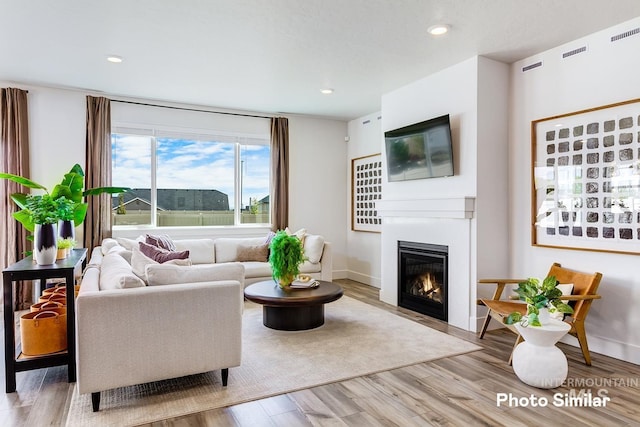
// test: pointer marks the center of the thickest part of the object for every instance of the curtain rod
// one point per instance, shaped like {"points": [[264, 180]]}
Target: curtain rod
{"points": [[193, 109]]}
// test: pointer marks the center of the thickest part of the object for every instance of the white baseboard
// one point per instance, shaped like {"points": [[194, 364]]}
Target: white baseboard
{"points": [[608, 347], [339, 274], [364, 278], [597, 344]]}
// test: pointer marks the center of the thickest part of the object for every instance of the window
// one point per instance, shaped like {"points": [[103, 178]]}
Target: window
{"points": [[180, 179]]}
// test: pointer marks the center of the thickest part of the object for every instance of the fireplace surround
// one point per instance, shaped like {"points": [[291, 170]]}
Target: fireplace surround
{"points": [[423, 278], [443, 221]]}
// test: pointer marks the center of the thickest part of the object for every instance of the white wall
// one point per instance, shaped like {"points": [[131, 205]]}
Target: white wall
{"points": [[606, 73], [451, 91], [318, 163], [318, 196], [475, 95], [363, 248]]}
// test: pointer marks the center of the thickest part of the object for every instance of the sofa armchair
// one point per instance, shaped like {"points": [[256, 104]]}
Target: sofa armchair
{"points": [[149, 333]]}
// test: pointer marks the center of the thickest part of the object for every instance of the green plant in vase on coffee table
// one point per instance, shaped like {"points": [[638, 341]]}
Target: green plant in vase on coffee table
{"points": [[285, 256], [538, 296]]}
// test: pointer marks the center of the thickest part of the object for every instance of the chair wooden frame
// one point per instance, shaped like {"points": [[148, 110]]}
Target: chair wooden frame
{"points": [[585, 286]]}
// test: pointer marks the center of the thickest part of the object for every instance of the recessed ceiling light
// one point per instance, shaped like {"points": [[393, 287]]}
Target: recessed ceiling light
{"points": [[326, 91], [114, 58], [438, 30]]}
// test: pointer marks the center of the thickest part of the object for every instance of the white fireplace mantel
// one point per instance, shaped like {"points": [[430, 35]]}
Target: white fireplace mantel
{"points": [[456, 208]]}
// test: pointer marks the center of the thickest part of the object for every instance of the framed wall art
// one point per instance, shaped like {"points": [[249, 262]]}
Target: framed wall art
{"points": [[366, 190], [586, 179]]}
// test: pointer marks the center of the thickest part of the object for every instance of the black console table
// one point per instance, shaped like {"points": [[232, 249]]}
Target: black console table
{"points": [[26, 269]]}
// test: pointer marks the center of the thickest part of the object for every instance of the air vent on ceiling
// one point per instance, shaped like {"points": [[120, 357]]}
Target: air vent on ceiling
{"points": [[366, 122], [625, 34], [379, 117], [532, 66], [574, 52]]}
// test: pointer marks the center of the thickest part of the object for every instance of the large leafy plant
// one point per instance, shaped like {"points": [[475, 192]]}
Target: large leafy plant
{"points": [[285, 256], [538, 295], [70, 188]]}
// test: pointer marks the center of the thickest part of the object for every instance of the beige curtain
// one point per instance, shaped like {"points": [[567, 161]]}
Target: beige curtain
{"points": [[279, 173], [14, 159], [97, 224]]}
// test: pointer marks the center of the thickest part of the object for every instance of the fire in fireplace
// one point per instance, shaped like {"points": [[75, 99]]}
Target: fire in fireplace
{"points": [[427, 286], [422, 278]]}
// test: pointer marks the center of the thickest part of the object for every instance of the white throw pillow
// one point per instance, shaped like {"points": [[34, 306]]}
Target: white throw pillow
{"points": [[566, 289], [163, 274], [313, 246], [129, 243], [201, 251], [300, 234], [116, 273]]}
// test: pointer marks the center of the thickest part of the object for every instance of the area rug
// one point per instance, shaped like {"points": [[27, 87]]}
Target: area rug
{"points": [[357, 339]]}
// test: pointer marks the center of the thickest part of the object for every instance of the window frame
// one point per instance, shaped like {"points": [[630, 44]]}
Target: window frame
{"points": [[236, 138]]}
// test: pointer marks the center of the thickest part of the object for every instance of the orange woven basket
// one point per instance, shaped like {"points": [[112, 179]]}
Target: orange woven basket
{"points": [[43, 332], [53, 305]]}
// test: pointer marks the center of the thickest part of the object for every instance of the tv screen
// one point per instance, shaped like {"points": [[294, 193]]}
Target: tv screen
{"points": [[421, 150]]}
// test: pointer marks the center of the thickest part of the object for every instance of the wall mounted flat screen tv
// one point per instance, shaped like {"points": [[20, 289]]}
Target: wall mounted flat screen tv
{"points": [[421, 150]]}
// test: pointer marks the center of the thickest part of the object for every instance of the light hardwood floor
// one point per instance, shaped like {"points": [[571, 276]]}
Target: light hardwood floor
{"points": [[454, 391]]}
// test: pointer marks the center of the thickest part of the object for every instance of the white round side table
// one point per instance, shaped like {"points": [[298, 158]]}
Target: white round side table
{"points": [[537, 361]]}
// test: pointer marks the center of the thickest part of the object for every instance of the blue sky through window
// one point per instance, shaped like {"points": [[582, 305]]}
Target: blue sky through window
{"points": [[191, 164]]}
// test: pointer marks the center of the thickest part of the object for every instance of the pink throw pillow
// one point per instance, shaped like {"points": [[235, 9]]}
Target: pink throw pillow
{"points": [[161, 255], [161, 241]]}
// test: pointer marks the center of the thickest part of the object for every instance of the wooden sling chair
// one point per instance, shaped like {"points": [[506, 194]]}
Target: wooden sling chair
{"points": [[584, 292]]}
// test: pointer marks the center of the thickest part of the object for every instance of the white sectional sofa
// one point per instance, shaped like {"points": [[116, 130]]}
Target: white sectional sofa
{"points": [[225, 249], [133, 325]]}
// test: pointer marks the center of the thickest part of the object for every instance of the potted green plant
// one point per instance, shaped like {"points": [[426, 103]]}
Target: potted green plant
{"points": [[66, 221], [540, 297], [43, 211], [285, 256], [64, 247], [71, 188]]}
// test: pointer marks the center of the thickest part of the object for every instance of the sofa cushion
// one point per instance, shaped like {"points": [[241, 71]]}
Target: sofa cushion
{"points": [[107, 244], [140, 261], [166, 274], [160, 241], [253, 253], [116, 273], [254, 269], [201, 251], [129, 243], [124, 253], [309, 267], [313, 246], [90, 279], [161, 255], [227, 247]]}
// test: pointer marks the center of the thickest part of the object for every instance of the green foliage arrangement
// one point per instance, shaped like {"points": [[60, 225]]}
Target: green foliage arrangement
{"points": [[66, 243], [70, 188], [45, 209], [538, 295], [285, 256]]}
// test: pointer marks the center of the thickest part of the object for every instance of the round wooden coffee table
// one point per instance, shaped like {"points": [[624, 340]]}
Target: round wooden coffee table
{"points": [[292, 309]]}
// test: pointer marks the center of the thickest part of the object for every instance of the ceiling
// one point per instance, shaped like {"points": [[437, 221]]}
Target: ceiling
{"points": [[274, 56]]}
